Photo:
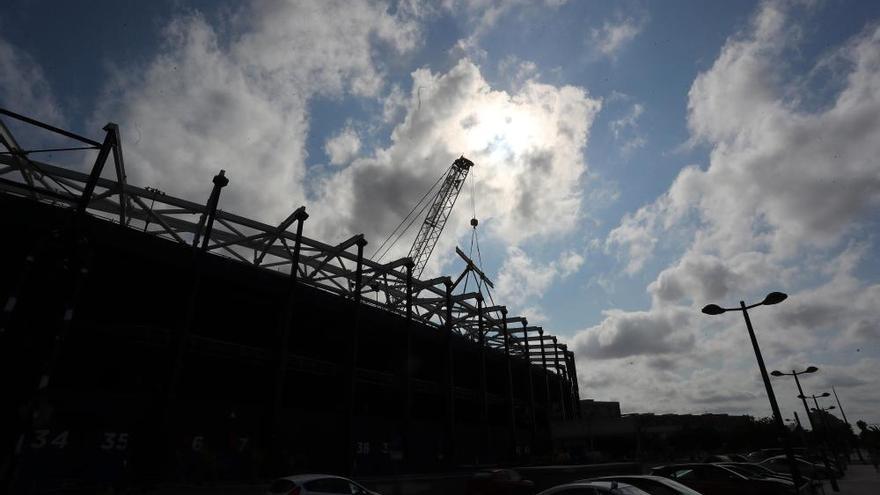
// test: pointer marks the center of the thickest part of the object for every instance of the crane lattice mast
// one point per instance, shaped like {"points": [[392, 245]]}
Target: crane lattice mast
{"points": [[439, 212]]}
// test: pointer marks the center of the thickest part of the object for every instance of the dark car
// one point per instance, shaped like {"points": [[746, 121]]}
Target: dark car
{"points": [[712, 479], [809, 469], [760, 455], [757, 471], [654, 485], [499, 482]]}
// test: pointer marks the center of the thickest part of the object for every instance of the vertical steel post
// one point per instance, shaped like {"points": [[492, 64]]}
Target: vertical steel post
{"points": [[561, 375], [548, 402], [576, 388], [284, 334], [353, 355], [484, 401], [511, 411], [219, 181], [407, 367], [449, 401], [531, 385]]}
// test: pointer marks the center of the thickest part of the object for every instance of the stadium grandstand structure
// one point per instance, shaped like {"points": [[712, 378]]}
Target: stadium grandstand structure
{"points": [[150, 337]]}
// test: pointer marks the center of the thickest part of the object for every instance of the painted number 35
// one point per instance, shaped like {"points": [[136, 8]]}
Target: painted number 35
{"points": [[114, 441]]}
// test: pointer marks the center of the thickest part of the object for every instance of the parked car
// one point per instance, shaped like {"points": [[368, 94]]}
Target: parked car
{"points": [[726, 458], [594, 488], [713, 479], [808, 469], [757, 471], [760, 455], [309, 484], [654, 485], [499, 482]]}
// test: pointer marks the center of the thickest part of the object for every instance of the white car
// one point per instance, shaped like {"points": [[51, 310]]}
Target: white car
{"points": [[594, 488], [314, 484], [655, 485]]}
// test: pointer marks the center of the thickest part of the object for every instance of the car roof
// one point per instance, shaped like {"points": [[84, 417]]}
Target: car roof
{"points": [[600, 484], [305, 478], [624, 476], [658, 479]]}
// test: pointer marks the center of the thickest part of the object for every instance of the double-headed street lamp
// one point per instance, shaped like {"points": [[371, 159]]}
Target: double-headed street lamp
{"points": [[772, 298], [811, 369]]}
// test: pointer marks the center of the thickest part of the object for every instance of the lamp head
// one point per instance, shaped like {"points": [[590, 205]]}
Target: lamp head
{"points": [[826, 394], [811, 369], [777, 373], [830, 408], [774, 298], [713, 309], [801, 397]]}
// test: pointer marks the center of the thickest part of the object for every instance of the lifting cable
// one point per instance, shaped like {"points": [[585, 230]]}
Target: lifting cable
{"points": [[475, 240]]}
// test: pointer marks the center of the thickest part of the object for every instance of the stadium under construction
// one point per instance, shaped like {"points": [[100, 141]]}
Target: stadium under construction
{"points": [[148, 337]]}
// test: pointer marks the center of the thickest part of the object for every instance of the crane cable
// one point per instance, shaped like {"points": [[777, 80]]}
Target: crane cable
{"points": [[407, 217], [475, 240]]}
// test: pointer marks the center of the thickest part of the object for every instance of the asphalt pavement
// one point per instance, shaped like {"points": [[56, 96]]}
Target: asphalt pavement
{"points": [[859, 480]]}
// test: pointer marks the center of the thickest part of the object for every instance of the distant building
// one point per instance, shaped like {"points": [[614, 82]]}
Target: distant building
{"points": [[599, 409], [603, 433]]}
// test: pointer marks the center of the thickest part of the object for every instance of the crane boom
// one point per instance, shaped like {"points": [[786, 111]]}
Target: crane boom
{"points": [[439, 212]]}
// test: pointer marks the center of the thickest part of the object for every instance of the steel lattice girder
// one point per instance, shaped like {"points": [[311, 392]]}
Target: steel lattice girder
{"points": [[326, 267]]}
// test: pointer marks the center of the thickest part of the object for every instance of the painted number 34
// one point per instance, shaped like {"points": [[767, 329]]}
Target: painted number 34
{"points": [[43, 438]]}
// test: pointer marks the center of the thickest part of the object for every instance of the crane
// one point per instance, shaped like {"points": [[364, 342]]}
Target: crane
{"points": [[440, 207], [437, 215]]}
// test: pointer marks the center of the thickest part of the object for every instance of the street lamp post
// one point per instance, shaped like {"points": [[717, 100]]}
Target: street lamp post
{"points": [[772, 298], [825, 430], [840, 406], [811, 369]]}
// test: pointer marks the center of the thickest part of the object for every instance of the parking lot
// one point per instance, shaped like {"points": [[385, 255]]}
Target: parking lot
{"points": [[860, 480]]}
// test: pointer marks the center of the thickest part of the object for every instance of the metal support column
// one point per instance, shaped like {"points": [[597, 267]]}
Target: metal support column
{"points": [[548, 405], [284, 330], [575, 387], [484, 400], [511, 410], [531, 385], [220, 181], [407, 369], [560, 371], [353, 356], [449, 402]]}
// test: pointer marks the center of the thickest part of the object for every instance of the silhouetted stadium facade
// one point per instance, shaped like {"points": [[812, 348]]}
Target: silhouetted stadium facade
{"points": [[133, 351]]}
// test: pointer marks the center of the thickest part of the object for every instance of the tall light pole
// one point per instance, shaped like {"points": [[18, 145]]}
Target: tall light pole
{"points": [[825, 430], [772, 298], [840, 406], [810, 369]]}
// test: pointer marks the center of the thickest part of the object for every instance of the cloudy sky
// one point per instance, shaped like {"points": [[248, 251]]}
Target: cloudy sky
{"points": [[634, 160]]}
